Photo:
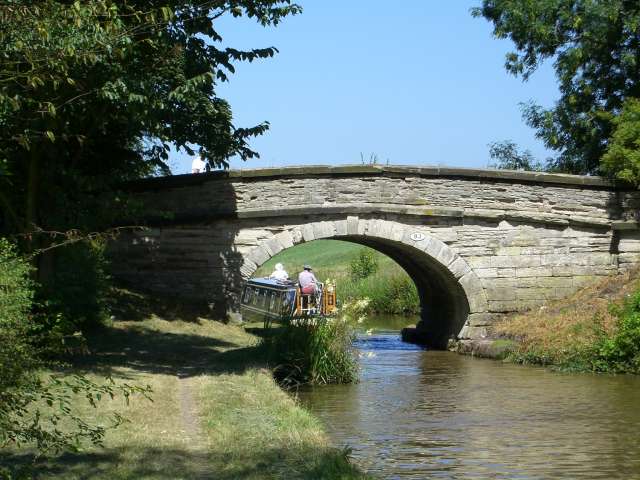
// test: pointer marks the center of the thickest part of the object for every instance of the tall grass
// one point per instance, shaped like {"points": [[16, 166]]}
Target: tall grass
{"points": [[389, 288], [388, 292], [317, 350], [598, 329]]}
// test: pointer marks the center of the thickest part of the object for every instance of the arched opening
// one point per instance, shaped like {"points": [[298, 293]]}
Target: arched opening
{"points": [[443, 303], [447, 288]]}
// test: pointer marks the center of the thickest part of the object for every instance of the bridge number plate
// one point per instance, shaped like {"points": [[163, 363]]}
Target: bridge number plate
{"points": [[417, 236]]}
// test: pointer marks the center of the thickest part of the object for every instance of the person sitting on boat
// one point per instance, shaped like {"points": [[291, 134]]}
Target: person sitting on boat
{"points": [[307, 281], [279, 273]]}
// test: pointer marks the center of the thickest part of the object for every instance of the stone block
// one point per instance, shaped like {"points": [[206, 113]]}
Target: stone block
{"points": [[479, 262], [341, 227], [540, 294], [471, 283], [398, 232], [480, 319], [459, 267], [534, 272], [508, 251], [285, 238], [363, 226], [477, 302], [486, 272], [522, 261], [473, 333], [629, 257], [446, 255], [307, 232], [506, 272], [503, 306], [501, 294], [297, 236], [273, 246], [557, 259], [582, 281], [259, 255], [547, 282], [352, 225], [248, 268], [324, 230]]}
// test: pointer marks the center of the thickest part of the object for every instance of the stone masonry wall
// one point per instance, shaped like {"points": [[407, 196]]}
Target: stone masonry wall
{"points": [[527, 238]]}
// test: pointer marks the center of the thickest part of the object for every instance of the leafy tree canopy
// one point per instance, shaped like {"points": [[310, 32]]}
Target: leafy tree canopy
{"points": [[93, 93], [595, 47], [622, 158]]}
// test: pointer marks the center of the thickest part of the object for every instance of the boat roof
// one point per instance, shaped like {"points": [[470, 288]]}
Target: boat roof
{"points": [[271, 283]]}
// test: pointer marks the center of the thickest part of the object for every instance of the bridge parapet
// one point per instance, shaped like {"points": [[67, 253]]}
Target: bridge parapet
{"points": [[525, 237]]}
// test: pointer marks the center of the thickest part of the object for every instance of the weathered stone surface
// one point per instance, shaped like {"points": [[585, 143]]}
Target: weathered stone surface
{"points": [[504, 241]]}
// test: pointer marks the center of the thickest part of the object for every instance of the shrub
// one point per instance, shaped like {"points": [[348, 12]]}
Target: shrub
{"points": [[33, 406], [620, 352], [16, 297], [364, 264], [394, 293], [398, 296], [317, 350], [74, 297]]}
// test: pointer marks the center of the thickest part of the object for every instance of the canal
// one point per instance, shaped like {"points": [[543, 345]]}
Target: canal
{"points": [[431, 414]]}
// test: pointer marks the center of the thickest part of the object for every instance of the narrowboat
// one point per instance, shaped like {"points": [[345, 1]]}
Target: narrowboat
{"points": [[265, 299]]}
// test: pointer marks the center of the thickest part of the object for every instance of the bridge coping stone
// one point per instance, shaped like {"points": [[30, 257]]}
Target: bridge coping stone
{"points": [[514, 176]]}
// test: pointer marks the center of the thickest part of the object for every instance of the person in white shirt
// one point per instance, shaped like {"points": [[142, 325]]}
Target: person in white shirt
{"points": [[279, 273], [198, 165]]}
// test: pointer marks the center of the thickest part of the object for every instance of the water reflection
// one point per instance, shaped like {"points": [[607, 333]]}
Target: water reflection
{"points": [[427, 414]]}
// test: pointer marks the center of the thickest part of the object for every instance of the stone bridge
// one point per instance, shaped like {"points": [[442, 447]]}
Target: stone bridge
{"points": [[477, 243]]}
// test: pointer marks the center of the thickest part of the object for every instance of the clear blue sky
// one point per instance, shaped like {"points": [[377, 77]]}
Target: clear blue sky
{"points": [[416, 82]]}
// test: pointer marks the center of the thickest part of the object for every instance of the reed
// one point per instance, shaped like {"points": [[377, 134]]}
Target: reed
{"points": [[597, 329], [316, 350]]}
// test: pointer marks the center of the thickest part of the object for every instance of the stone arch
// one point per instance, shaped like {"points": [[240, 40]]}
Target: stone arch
{"points": [[451, 294]]}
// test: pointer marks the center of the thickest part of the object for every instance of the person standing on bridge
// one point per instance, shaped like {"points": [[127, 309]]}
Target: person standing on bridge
{"points": [[307, 281], [198, 165]]}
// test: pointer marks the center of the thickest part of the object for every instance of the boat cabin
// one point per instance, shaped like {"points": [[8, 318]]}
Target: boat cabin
{"points": [[267, 299]]}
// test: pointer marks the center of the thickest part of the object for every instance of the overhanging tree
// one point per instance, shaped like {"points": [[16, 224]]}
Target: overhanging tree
{"points": [[595, 49], [93, 93]]}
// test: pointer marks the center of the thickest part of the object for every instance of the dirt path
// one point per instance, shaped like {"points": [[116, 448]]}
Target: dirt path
{"points": [[193, 434]]}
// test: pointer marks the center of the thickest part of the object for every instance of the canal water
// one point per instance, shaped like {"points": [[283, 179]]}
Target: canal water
{"points": [[428, 414]]}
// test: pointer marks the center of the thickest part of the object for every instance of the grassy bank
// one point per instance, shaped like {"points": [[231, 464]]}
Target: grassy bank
{"points": [[216, 413], [389, 288], [597, 329]]}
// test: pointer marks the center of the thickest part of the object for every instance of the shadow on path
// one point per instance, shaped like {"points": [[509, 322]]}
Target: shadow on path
{"points": [[155, 463], [151, 351]]}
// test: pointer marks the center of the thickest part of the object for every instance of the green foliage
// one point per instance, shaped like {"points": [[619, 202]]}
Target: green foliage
{"points": [[36, 411], [392, 292], [317, 350], [94, 93], [16, 296], [622, 158], [399, 296], [594, 47], [616, 351], [506, 156], [364, 265], [621, 352], [77, 290]]}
